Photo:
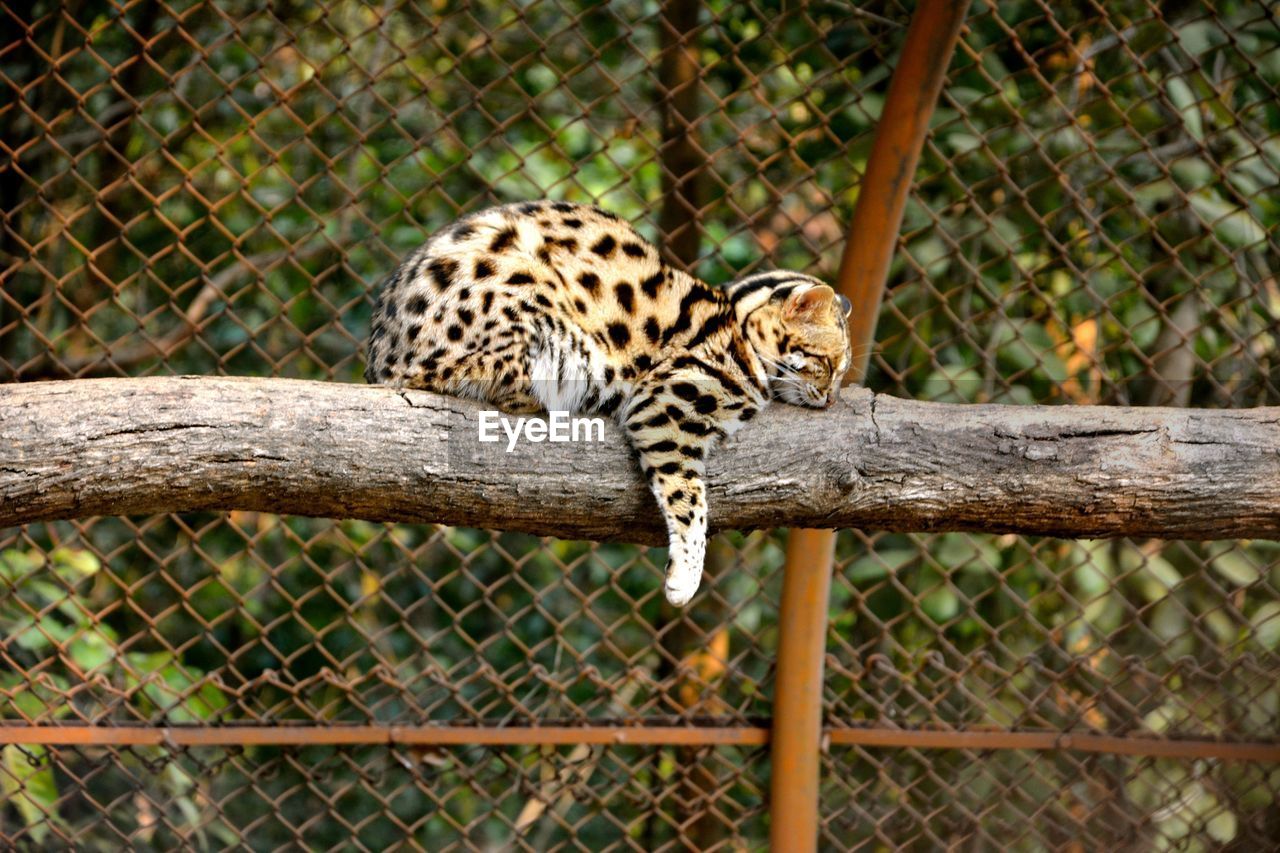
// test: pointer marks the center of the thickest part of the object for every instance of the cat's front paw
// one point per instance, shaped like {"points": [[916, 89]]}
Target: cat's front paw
{"points": [[680, 586], [685, 559]]}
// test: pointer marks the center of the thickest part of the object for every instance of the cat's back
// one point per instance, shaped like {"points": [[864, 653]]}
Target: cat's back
{"points": [[536, 223], [499, 273], [501, 242]]}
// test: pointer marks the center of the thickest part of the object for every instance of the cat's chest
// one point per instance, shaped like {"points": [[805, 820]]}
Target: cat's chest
{"points": [[569, 368]]}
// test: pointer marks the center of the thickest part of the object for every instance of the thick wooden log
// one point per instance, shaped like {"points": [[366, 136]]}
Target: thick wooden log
{"points": [[140, 446]]}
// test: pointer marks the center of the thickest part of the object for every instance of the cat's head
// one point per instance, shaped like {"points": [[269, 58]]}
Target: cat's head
{"points": [[799, 328]]}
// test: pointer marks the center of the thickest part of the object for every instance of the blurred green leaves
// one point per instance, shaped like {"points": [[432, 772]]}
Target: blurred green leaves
{"points": [[1085, 178]]}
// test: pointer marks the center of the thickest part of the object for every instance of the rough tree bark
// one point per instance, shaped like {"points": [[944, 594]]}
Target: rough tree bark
{"points": [[140, 446]]}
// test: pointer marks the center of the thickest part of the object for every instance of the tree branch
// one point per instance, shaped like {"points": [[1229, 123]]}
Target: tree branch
{"points": [[140, 446]]}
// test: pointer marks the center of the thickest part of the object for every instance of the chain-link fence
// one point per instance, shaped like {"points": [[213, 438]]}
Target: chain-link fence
{"points": [[214, 188]]}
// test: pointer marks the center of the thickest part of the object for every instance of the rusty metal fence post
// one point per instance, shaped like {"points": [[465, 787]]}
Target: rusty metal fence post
{"points": [[802, 619]]}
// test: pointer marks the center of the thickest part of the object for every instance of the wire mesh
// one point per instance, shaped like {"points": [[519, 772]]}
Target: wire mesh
{"points": [[215, 188], [1016, 800], [376, 798]]}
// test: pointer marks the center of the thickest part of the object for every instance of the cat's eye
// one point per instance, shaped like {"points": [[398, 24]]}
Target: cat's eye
{"points": [[795, 361], [845, 305]]}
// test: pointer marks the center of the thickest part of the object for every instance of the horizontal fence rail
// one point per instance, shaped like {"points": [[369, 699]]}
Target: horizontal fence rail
{"points": [[647, 735]]}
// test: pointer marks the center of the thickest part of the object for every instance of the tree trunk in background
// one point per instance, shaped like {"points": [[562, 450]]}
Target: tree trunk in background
{"points": [[690, 647], [119, 201], [20, 175], [50, 102], [682, 161]]}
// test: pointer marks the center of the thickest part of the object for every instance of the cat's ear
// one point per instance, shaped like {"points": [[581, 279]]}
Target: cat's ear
{"points": [[810, 306]]}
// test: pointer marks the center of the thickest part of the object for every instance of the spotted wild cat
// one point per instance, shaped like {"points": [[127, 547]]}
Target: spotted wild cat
{"points": [[551, 306]]}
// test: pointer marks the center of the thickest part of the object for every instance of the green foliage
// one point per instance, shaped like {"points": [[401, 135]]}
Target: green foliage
{"points": [[1094, 220]]}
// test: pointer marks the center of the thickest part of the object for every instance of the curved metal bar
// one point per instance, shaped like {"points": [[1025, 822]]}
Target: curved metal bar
{"points": [[802, 621]]}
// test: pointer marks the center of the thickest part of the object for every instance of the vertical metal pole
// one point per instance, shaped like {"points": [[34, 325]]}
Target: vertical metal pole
{"points": [[864, 267]]}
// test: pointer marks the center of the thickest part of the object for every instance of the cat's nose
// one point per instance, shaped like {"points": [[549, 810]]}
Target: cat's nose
{"points": [[831, 397]]}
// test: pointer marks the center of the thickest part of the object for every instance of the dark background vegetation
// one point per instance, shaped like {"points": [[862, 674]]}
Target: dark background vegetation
{"points": [[194, 187]]}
